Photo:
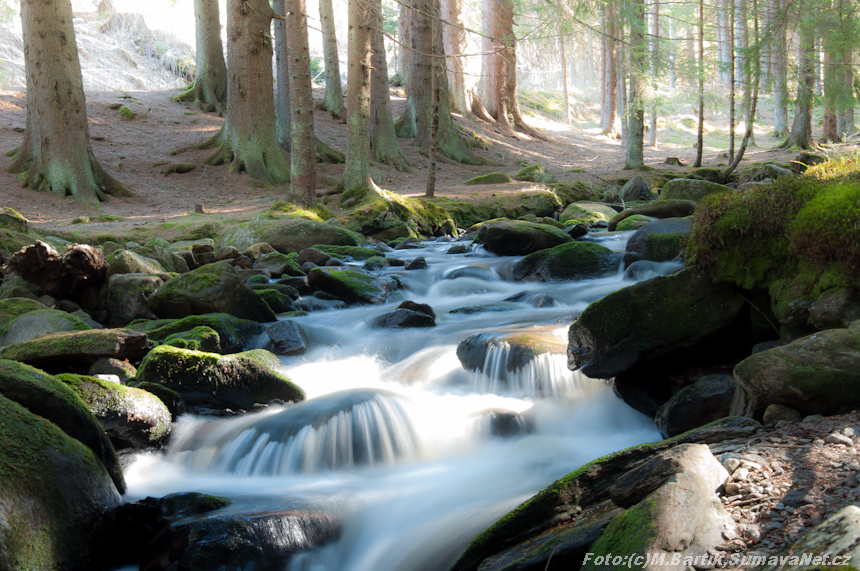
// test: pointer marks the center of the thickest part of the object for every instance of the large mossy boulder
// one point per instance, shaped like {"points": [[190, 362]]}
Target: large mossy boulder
{"points": [[818, 374], [211, 381], [660, 241], [195, 253], [571, 261], [385, 215], [131, 418], [519, 238], [656, 209], [290, 235], [278, 264], [587, 213], [25, 326], [234, 333], [47, 397], [213, 288], [352, 286], [638, 188], [54, 492], [535, 173], [706, 400], [128, 297], [201, 338], [62, 351], [691, 189], [127, 262], [648, 320]]}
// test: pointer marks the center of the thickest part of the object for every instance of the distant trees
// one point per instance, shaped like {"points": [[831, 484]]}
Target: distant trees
{"points": [[209, 88]]}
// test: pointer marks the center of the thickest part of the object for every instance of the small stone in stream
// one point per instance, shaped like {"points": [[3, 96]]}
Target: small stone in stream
{"points": [[419, 307], [418, 263], [839, 439]]}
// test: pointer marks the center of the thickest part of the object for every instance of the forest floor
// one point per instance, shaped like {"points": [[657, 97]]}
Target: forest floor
{"points": [[164, 131]]}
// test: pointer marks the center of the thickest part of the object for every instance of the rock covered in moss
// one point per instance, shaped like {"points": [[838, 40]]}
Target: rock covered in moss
{"points": [[278, 264], [128, 297], [288, 338], [213, 288], [587, 213], [518, 237], [277, 301], [132, 418], [835, 308], [535, 173], [290, 235], [14, 286], [385, 215], [638, 188], [357, 253], [200, 338], [61, 350], [211, 381], [109, 366], [634, 222], [195, 253], [234, 333], [47, 397], [648, 320], [351, 286], [55, 490], [818, 374], [490, 178], [708, 399], [691, 189], [22, 325], [127, 262], [660, 241], [571, 261], [656, 209]]}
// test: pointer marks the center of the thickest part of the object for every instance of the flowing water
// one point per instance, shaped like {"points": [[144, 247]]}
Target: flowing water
{"points": [[396, 437]]}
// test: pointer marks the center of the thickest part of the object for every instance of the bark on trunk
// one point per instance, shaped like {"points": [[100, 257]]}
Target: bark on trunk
{"points": [[56, 154], [402, 74], [846, 102], [497, 46], [247, 140], [801, 128], [610, 78], [415, 121], [209, 89], [434, 114], [303, 174], [333, 102], [701, 73], [357, 171], [635, 108], [282, 68], [655, 57], [749, 66], [564, 80], [779, 72], [383, 138], [831, 93], [454, 37]]}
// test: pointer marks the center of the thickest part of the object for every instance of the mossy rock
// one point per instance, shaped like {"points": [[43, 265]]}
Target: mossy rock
{"points": [[664, 247], [357, 253], [35, 323], [357, 192], [375, 263], [517, 237], [289, 235], [55, 491], [169, 260], [170, 398], [278, 302], [211, 381], [490, 178], [587, 213], [109, 366], [634, 222], [352, 286], [13, 307], [711, 174], [235, 333], [648, 320], [60, 351], [15, 286], [387, 215], [571, 261], [132, 418], [213, 288], [691, 189], [127, 262], [278, 264], [128, 296], [47, 397], [535, 173], [11, 219], [126, 113], [200, 338]]}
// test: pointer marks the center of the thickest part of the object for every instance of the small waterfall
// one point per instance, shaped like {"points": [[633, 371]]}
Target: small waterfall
{"points": [[336, 432]]}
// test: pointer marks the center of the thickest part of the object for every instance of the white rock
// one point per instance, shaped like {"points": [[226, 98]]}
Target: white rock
{"points": [[839, 439], [740, 474]]}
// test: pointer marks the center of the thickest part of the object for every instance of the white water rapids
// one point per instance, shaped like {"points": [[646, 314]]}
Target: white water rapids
{"points": [[395, 437]]}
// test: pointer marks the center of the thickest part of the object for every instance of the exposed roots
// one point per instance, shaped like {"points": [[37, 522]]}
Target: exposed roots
{"points": [[269, 166], [326, 154], [391, 157], [202, 96]]}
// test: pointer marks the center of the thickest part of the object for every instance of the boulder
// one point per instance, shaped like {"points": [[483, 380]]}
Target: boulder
{"points": [[159, 250], [277, 301], [132, 418], [278, 264], [128, 297], [818, 374], [211, 381], [290, 235], [648, 320], [776, 413], [196, 253], [637, 188], [634, 222], [15, 286], [691, 189], [419, 263], [312, 255], [213, 288], [518, 238], [254, 251], [170, 398], [32, 324], [200, 338], [288, 338], [47, 397], [109, 366], [235, 334], [835, 308], [481, 351], [55, 491], [251, 541], [352, 286], [419, 307], [357, 253], [659, 241], [60, 351], [656, 209], [127, 262], [587, 213], [402, 318], [706, 400], [571, 261]]}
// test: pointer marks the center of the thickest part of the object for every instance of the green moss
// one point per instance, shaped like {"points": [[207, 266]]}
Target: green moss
{"points": [[200, 338], [665, 246], [535, 173], [711, 174], [490, 178], [317, 213], [386, 215], [234, 332], [355, 252], [587, 213], [126, 113], [357, 192], [14, 307], [634, 222], [277, 301], [630, 532], [375, 263]]}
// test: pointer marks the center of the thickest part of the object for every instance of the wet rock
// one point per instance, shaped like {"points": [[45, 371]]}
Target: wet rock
{"points": [[277, 301], [128, 297], [109, 366], [200, 338], [507, 423], [419, 307], [577, 230], [519, 238], [587, 213], [287, 338], [459, 249], [350, 285], [61, 351], [656, 209], [479, 351], [278, 264], [418, 263], [213, 288], [470, 309], [402, 318], [659, 241], [708, 399], [573, 261], [234, 333], [334, 263]]}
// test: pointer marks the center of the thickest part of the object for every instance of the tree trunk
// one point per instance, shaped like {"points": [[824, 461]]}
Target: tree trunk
{"points": [[749, 65], [497, 45], [621, 65], [700, 143], [589, 61], [383, 138], [779, 71], [610, 75], [672, 59], [415, 121], [565, 91], [209, 89], [333, 102], [357, 171], [434, 114], [801, 128], [754, 100], [454, 37], [816, 62], [723, 40], [638, 49], [831, 91], [846, 102], [303, 174], [402, 74], [56, 154], [282, 67], [732, 85], [655, 57], [247, 139]]}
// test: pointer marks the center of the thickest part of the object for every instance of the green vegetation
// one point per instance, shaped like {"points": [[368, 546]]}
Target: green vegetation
{"points": [[490, 178]]}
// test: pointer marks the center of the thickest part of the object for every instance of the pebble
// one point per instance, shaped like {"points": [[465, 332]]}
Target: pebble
{"points": [[839, 439], [848, 431], [740, 474], [731, 464]]}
